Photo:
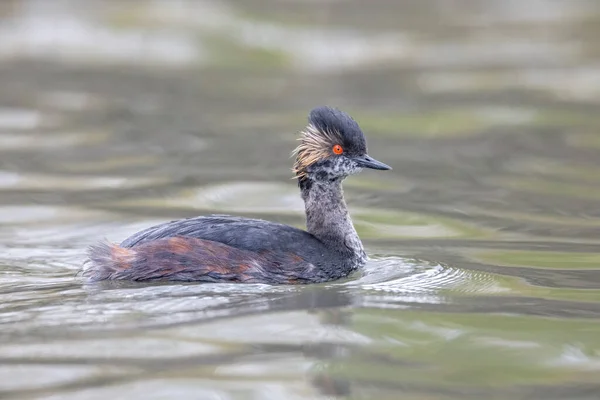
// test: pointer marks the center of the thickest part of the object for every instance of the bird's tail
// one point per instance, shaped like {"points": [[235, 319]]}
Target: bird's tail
{"points": [[108, 261]]}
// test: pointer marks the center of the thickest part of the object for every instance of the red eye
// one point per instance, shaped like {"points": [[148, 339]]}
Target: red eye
{"points": [[337, 149]]}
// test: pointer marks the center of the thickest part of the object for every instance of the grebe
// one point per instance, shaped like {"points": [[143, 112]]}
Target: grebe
{"points": [[223, 248]]}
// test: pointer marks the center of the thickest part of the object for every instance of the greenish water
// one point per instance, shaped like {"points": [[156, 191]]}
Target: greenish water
{"points": [[484, 278]]}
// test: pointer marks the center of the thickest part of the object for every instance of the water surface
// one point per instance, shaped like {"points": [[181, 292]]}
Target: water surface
{"points": [[484, 275]]}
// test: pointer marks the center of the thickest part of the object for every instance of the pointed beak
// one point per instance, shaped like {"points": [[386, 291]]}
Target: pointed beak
{"points": [[369, 162]]}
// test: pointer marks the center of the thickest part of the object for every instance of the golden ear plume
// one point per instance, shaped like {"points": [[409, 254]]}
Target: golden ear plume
{"points": [[315, 145]]}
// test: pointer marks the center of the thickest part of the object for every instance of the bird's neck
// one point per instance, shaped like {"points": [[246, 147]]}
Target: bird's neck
{"points": [[328, 219]]}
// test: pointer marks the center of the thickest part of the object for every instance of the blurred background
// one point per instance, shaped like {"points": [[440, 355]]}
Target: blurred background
{"points": [[484, 240]]}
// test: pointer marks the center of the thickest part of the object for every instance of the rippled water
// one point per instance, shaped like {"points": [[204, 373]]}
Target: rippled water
{"points": [[484, 278]]}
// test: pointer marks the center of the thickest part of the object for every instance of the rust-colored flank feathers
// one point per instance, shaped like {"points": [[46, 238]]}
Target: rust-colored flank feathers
{"points": [[315, 145], [192, 259]]}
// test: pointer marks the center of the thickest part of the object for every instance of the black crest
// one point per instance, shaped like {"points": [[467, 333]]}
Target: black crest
{"points": [[328, 119]]}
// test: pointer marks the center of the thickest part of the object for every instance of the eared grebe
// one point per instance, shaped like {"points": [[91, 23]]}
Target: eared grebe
{"points": [[222, 248]]}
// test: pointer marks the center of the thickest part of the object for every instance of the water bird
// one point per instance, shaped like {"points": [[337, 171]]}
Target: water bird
{"points": [[224, 248]]}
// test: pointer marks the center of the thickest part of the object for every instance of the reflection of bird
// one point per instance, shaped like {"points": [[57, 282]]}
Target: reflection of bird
{"points": [[223, 248]]}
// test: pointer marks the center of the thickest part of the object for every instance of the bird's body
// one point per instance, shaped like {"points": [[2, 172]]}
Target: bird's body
{"points": [[222, 248]]}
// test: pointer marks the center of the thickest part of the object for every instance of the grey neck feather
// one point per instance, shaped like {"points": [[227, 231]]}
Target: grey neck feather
{"points": [[327, 217]]}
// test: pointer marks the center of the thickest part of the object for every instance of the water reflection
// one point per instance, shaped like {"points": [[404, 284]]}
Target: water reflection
{"points": [[484, 272]]}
